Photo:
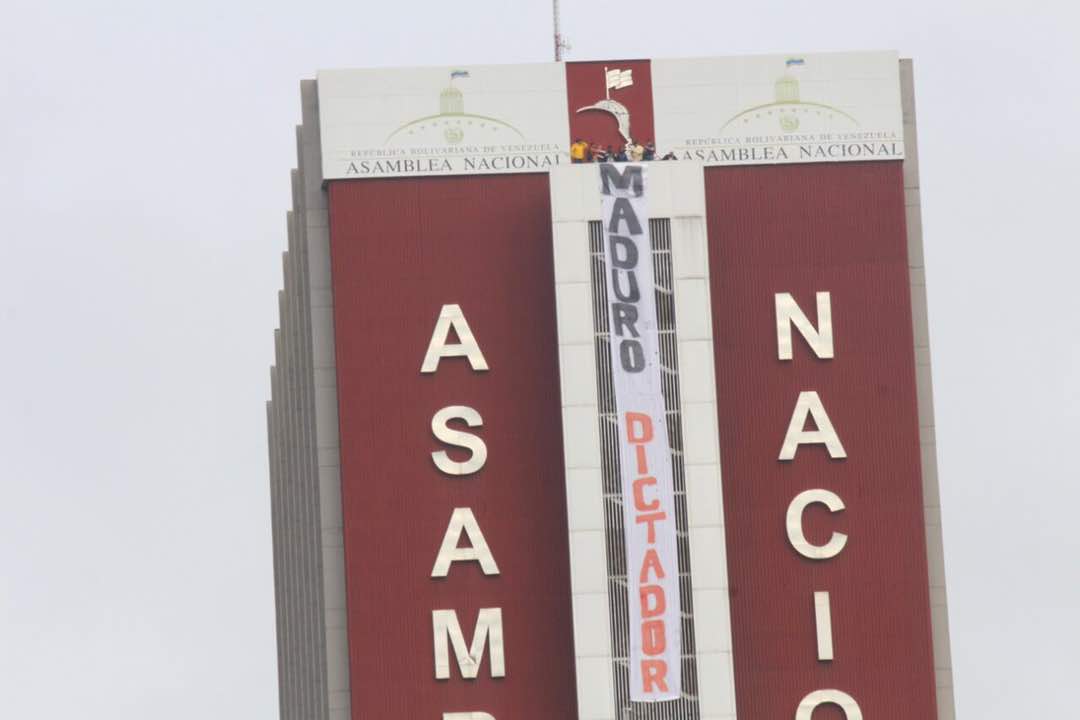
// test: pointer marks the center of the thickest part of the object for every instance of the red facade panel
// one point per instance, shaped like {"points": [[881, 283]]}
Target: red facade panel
{"points": [[801, 229], [401, 249], [586, 86]]}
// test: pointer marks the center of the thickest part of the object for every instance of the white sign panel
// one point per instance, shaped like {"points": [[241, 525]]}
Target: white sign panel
{"points": [[779, 108], [652, 561], [483, 119], [460, 120]]}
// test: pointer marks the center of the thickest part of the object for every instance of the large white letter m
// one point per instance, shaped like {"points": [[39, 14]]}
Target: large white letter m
{"points": [[444, 624]]}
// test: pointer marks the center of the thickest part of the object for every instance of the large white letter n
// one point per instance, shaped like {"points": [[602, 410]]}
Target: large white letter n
{"points": [[788, 313]]}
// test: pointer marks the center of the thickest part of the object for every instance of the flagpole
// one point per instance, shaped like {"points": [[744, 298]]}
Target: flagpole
{"points": [[607, 85]]}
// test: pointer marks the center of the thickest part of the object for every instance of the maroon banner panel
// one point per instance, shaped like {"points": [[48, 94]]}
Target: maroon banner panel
{"points": [[803, 229], [402, 249], [601, 114]]}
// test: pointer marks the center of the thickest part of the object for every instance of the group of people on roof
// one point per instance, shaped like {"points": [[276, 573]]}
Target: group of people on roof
{"points": [[582, 151]]}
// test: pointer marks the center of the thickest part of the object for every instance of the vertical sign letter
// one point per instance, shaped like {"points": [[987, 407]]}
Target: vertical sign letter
{"points": [[452, 317], [444, 624], [789, 313]]}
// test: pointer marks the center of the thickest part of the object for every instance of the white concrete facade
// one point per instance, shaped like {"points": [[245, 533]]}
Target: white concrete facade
{"points": [[675, 191]]}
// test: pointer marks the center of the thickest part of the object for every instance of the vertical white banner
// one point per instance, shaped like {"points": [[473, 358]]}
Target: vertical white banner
{"points": [[652, 562]]}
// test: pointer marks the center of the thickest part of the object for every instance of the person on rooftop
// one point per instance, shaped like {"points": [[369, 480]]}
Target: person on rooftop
{"points": [[578, 150]]}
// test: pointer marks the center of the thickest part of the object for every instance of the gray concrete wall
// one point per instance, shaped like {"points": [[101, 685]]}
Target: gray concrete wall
{"points": [[935, 551], [309, 568]]}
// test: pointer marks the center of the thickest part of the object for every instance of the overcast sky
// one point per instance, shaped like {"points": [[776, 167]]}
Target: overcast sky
{"points": [[145, 151]]}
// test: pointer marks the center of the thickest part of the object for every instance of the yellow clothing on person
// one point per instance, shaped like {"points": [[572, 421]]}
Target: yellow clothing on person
{"points": [[577, 151]]}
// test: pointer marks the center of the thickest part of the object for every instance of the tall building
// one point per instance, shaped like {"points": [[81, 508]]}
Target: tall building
{"points": [[608, 440]]}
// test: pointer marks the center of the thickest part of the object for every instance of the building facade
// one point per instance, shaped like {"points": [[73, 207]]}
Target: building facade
{"points": [[468, 520]]}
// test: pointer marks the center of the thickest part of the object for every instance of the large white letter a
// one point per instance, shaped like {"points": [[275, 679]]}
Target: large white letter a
{"points": [[809, 405], [451, 316]]}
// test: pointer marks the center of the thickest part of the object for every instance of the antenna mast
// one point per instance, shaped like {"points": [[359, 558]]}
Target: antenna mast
{"points": [[560, 43]]}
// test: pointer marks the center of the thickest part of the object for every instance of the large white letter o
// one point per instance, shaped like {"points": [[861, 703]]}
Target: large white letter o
{"points": [[811, 702]]}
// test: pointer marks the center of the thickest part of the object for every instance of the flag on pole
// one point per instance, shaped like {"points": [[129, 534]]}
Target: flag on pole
{"points": [[459, 74], [617, 79]]}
